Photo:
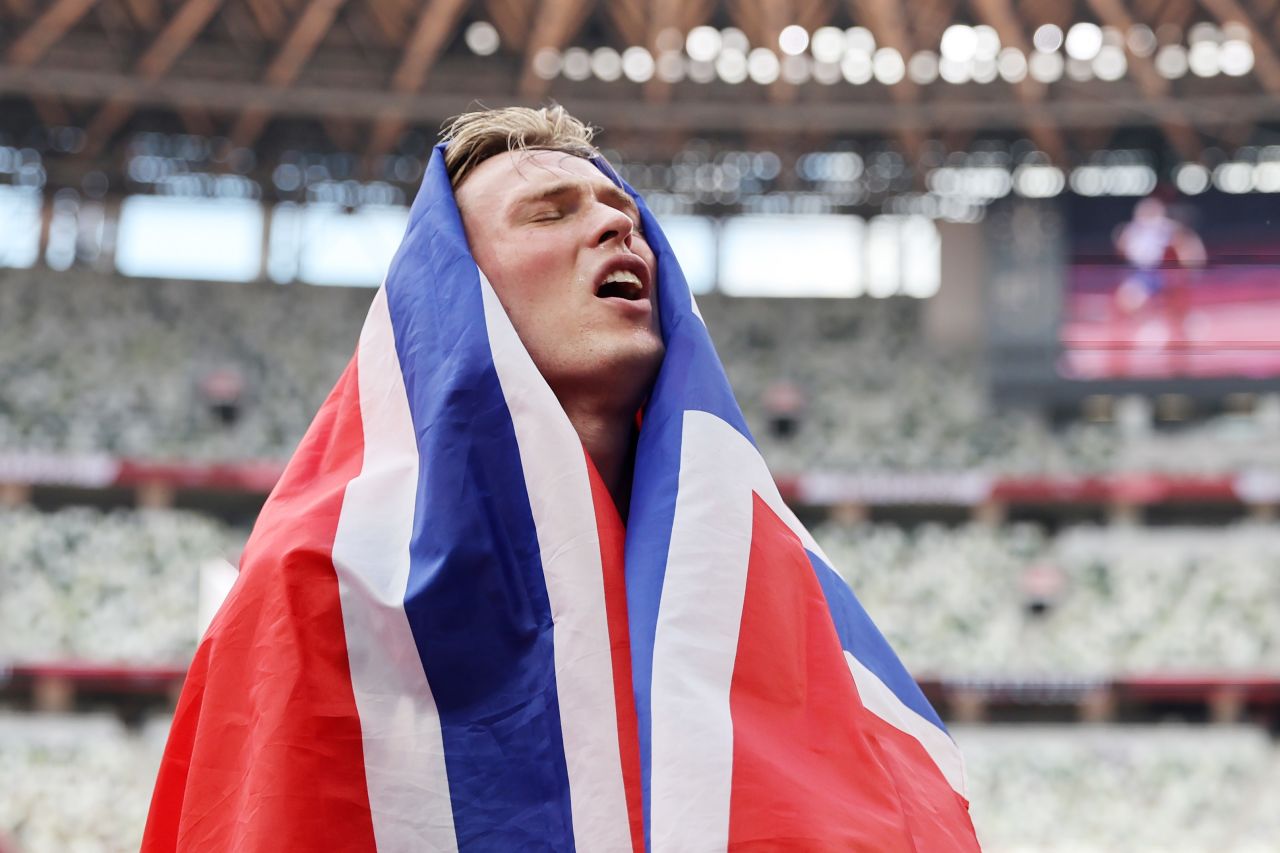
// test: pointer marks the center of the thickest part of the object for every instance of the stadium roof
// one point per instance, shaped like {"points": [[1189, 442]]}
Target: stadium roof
{"points": [[1178, 76]]}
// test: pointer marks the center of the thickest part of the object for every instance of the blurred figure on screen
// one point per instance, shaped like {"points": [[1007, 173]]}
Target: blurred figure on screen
{"points": [[1152, 242]]}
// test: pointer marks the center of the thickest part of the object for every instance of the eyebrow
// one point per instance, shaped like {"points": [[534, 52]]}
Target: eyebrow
{"points": [[611, 194]]}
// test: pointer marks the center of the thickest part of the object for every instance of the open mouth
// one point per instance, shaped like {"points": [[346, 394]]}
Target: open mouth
{"points": [[622, 284]]}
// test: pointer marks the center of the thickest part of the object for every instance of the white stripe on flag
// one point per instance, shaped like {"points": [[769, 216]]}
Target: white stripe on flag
{"points": [[696, 644], [885, 704], [559, 486], [399, 724]]}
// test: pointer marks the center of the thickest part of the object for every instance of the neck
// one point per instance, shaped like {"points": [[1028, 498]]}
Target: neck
{"points": [[609, 437]]}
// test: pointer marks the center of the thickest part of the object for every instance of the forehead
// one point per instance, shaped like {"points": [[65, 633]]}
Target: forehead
{"points": [[513, 175]]}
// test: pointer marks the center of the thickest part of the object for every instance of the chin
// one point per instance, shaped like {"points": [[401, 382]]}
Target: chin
{"points": [[623, 371], [637, 369]]}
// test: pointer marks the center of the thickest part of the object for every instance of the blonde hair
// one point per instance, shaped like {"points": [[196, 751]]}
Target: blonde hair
{"points": [[476, 136]]}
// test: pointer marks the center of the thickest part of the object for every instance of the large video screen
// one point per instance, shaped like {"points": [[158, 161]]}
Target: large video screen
{"points": [[1168, 287]]}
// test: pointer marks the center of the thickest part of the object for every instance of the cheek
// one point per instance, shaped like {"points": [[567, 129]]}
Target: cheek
{"points": [[534, 284], [642, 248]]}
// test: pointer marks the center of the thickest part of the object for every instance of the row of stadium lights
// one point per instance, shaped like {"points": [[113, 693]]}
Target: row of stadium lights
{"points": [[966, 53], [983, 184], [731, 177], [846, 182]]}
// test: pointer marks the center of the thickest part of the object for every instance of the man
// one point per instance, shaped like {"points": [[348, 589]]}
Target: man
{"points": [[562, 246], [433, 644]]}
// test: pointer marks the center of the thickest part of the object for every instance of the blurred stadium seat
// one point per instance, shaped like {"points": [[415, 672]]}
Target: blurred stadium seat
{"points": [[122, 586], [1062, 788], [122, 368], [1130, 599]]}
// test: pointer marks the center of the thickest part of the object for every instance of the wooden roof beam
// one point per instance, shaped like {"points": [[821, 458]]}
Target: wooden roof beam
{"points": [[389, 19], [18, 8], [629, 18], [1176, 12], [1266, 64], [284, 68], [436, 23], [671, 15], [1147, 10], [556, 22], [1075, 108], [1180, 133], [268, 16], [145, 13], [764, 21], [511, 18], [929, 19], [44, 32], [1001, 15], [884, 19], [174, 38]]}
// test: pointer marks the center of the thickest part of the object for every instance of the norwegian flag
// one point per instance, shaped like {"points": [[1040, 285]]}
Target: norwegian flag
{"points": [[433, 644]]}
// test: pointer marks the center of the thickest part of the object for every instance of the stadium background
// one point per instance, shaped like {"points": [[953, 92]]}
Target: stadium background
{"points": [[1061, 510]]}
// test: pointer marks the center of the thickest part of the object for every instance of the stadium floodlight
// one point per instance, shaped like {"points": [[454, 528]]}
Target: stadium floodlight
{"points": [[637, 64], [732, 38], [482, 38], [606, 64], [1012, 65], [547, 63], [887, 66], [1236, 31], [670, 66], [828, 44], [1191, 178], [953, 71], [576, 64], [1266, 177], [1047, 38], [1045, 67], [1202, 32], [826, 73], [859, 39], [984, 70], [763, 66], [923, 67], [703, 44], [668, 38], [1079, 70], [1083, 41], [986, 42], [959, 43], [1234, 177], [793, 40], [1171, 61], [1203, 60], [856, 67], [1235, 58], [1038, 181], [796, 69], [731, 66], [1110, 63], [701, 72], [1141, 41]]}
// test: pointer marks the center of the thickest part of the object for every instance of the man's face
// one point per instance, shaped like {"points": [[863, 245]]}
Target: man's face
{"points": [[562, 247]]}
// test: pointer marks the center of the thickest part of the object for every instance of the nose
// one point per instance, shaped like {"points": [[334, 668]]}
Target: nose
{"points": [[614, 226]]}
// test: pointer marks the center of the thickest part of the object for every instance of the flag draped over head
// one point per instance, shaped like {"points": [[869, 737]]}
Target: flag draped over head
{"points": [[433, 644]]}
